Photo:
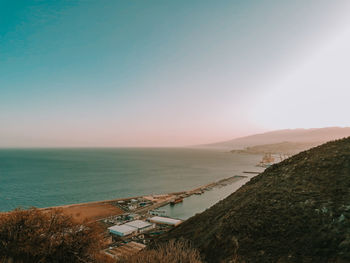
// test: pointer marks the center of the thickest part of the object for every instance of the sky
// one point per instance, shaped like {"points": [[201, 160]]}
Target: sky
{"points": [[169, 73]]}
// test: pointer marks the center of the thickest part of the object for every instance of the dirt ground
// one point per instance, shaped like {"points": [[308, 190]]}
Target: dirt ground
{"points": [[91, 211]]}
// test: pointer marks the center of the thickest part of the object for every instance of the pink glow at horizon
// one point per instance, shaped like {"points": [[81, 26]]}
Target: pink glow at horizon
{"points": [[207, 72]]}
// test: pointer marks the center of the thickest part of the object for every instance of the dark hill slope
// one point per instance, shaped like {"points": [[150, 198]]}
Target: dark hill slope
{"points": [[295, 211]]}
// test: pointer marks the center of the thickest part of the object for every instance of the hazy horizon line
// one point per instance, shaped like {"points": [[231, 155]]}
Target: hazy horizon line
{"points": [[160, 146]]}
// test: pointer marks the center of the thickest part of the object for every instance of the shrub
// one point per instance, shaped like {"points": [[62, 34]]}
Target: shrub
{"points": [[47, 236], [170, 252]]}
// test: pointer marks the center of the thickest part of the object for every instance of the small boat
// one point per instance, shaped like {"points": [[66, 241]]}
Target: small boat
{"points": [[176, 201]]}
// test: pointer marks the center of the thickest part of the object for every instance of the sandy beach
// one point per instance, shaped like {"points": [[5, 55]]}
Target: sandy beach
{"points": [[104, 209]]}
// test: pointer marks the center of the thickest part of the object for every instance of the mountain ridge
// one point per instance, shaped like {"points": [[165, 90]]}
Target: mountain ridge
{"points": [[295, 211], [313, 135]]}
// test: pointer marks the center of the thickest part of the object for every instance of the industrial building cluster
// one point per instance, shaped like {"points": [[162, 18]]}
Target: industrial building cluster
{"points": [[140, 226], [141, 222], [132, 231], [132, 236]]}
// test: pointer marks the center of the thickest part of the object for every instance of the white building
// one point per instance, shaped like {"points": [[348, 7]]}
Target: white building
{"points": [[122, 230], [140, 225], [165, 220], [136, 226]]}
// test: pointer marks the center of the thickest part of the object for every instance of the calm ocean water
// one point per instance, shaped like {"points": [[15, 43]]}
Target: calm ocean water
{"points": [[50, 177], [198, 203]]}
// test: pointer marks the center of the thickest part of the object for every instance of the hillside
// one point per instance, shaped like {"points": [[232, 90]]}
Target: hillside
{"points": [[316, 135], [289, 148], [296, 211]]}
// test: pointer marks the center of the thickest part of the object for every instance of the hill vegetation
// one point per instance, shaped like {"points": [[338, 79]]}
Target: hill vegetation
{"points": [[295, 211], [170, 252], [48, 236]]}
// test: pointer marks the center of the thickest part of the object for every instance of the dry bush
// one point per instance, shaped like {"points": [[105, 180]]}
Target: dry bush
{"points": [[47, 236], [171, 252]]}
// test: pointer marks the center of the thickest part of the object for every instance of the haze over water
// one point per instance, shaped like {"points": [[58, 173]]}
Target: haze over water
{"points": [[77, 74], [169, 73], [51, 177]]}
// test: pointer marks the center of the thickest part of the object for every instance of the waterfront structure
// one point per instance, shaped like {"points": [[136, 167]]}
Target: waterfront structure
{"points": [[140, 225], [165, 221], [122, 230], [133, 216], [136, 226], [176, 201], [157, 212]]}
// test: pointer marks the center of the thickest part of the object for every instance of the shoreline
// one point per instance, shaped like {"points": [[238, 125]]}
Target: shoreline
{"points": [[99, 210]]}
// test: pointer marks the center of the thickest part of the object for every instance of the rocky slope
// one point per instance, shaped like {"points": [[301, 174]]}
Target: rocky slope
{"points": [[295, 211]]}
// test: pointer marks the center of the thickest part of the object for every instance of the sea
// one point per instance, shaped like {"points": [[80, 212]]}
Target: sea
{"points": [[195, 204], [53, 177]]}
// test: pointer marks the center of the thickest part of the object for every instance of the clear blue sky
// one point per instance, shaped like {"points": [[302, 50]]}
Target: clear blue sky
{"points": [[163, 73]]}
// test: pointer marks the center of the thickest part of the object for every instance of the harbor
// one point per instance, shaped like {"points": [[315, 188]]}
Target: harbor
{"points": [[197, 203], [130, 224], [147, 217], [141, 205]]}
